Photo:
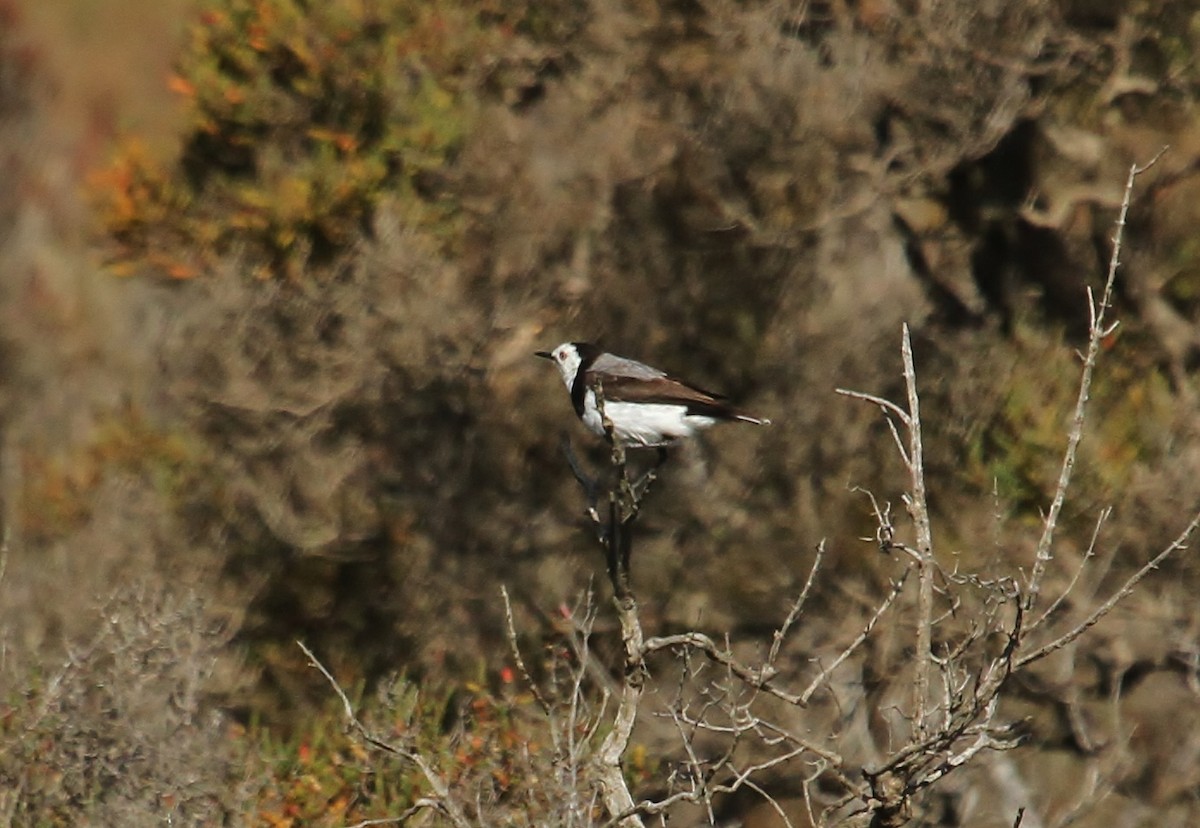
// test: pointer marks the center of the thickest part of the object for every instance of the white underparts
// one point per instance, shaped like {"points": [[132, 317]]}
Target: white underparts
{"points": [[644, 424]]}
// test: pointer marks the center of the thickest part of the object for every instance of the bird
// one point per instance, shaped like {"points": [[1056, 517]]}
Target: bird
{"points": [[646, 407]]}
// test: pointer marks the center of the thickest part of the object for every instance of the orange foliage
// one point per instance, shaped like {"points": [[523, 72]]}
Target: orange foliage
{"points": [[301, 118]]}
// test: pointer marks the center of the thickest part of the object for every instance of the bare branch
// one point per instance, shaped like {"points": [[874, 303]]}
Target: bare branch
{"points": [[624, 503], [918, 509], [888, 407], [1083, 565], [780, 634], [514, 647], [609, 774], [775, 806], [1180, 543], [742, 778], [759, 679], [1075, 435], [442, 800], [885, 532], [883, 607]]}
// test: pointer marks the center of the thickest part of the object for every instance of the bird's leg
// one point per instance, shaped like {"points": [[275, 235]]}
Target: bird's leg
{"points": [[589, 484]]}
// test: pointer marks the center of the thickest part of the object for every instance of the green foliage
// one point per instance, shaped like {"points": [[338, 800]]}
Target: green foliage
{"points": [[1018, 446], [300, 119], [489, 749], [321, 776]]}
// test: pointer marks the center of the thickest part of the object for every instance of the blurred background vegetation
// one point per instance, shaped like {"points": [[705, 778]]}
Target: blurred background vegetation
{"points": [[273, 272]]}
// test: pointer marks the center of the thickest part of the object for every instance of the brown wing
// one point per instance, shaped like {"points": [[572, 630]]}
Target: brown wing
{"points": [[662, 389]]}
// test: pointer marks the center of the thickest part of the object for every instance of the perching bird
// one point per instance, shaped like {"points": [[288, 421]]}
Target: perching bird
{"points": [[645, 406]]}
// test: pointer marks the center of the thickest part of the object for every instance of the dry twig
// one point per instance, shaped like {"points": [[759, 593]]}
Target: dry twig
{"points": [[441, 799], [1098, 329]]}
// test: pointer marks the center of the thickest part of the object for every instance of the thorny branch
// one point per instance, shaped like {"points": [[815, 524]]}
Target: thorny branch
{"points": [[1098, 329]]}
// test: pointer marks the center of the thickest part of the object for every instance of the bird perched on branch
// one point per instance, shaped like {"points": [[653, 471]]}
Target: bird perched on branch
{"points": [[645, 406]]}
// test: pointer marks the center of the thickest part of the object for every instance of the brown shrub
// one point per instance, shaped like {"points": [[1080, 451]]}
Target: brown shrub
{"points": [[118, 732]]}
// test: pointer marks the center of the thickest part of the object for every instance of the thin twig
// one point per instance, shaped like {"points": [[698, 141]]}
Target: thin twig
{"points": [[404, 816], [742, 778], [1180, 543], [753, 677], [511, 632], [1083, 565], [775, 806], [888, 407], [699, 780], [823, 676], [580, 638], [441, 799], [781, 634], [1096, 333], [736, 729]]}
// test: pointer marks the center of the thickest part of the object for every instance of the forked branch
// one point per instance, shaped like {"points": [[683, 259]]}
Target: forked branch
{"points": [[915, 501]]}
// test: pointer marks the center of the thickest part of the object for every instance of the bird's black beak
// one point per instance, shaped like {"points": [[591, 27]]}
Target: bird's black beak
{"points": [[544, 354]]}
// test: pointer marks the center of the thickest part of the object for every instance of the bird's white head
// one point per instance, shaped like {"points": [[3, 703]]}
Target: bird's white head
{"points": [[566, 356]]}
